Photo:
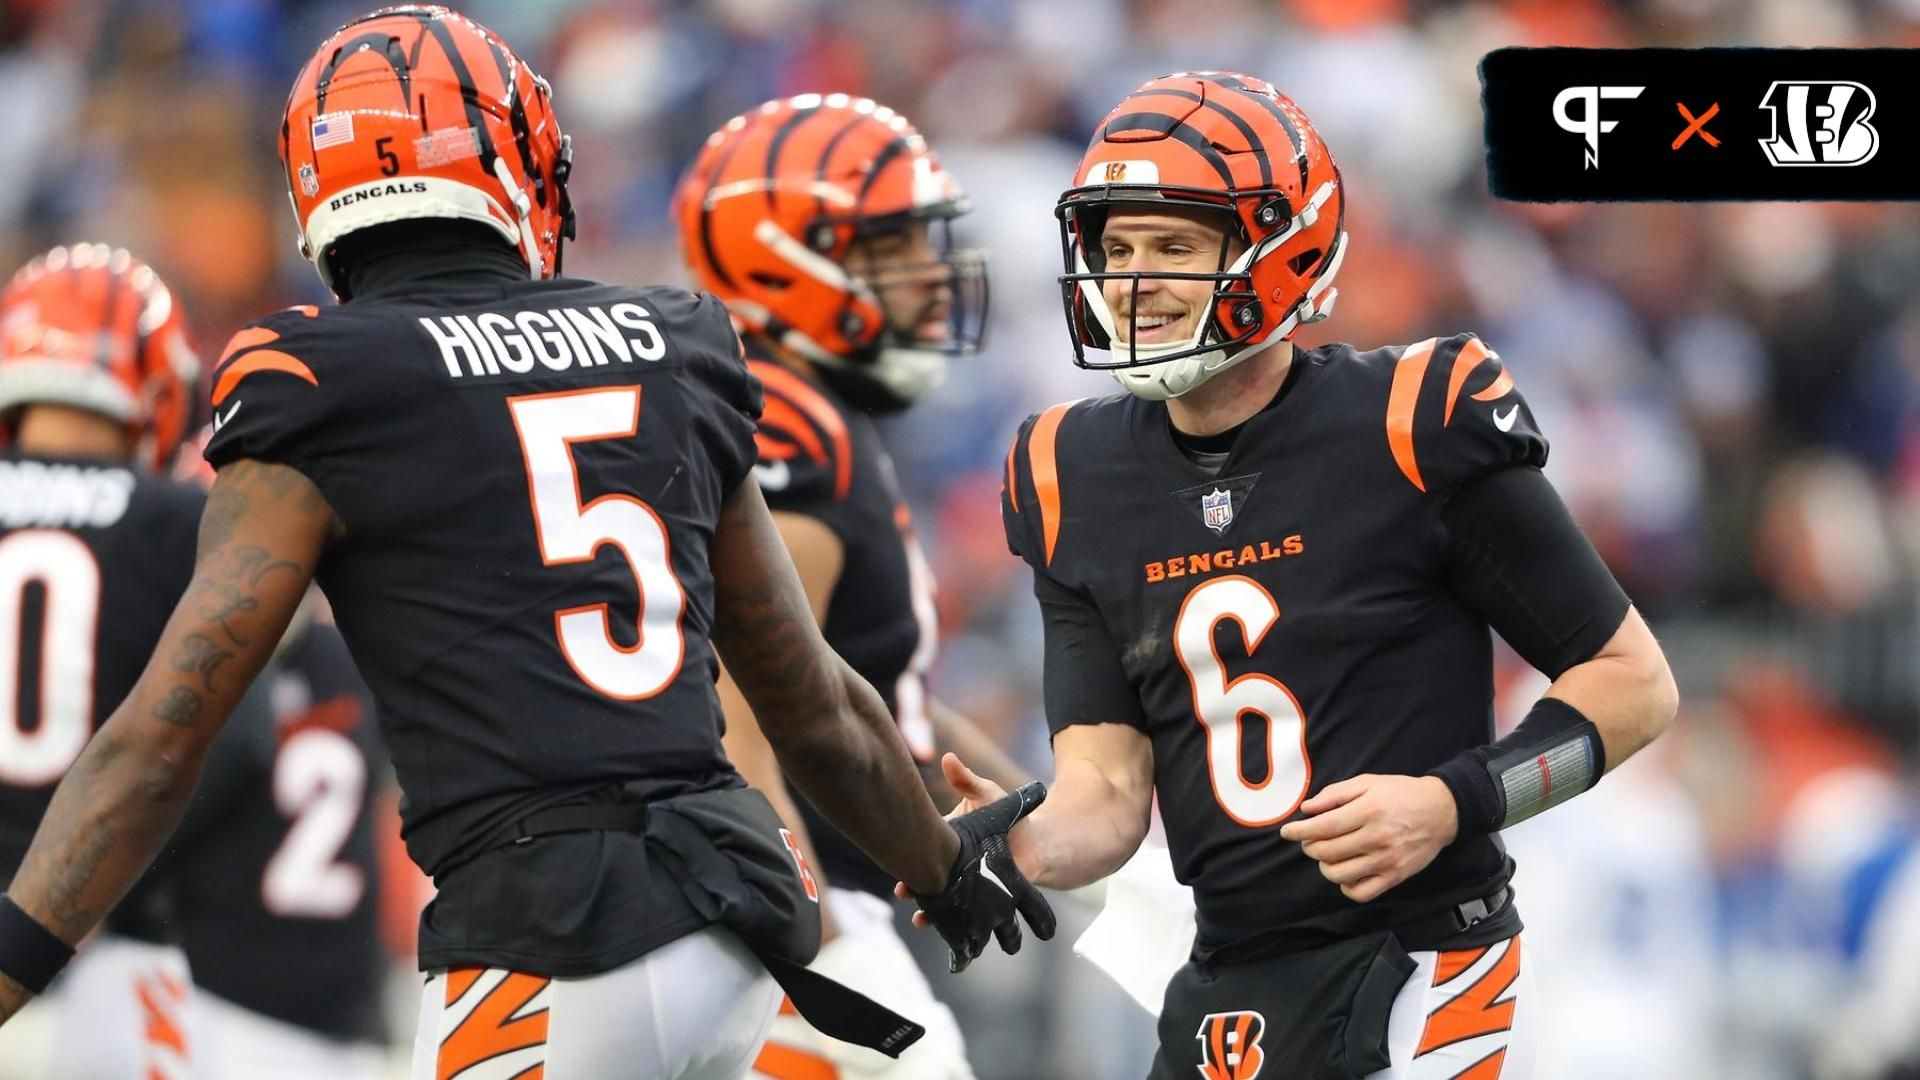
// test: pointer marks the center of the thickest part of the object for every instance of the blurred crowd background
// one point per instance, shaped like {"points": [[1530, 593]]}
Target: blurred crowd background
{"points": [[1732, 393]]}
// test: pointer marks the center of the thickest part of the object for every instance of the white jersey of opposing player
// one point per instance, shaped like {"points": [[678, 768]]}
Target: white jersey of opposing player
{"points": [[1617, 894]]}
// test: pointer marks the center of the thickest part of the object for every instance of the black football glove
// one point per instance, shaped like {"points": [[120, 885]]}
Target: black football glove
{"points": [[985, 890]]}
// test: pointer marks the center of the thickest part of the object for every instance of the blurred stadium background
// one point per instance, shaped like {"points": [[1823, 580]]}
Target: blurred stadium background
{"points": [[1732, 393]]}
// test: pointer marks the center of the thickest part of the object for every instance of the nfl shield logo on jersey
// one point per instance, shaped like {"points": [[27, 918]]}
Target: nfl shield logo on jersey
{"points": [[1216, 509]]}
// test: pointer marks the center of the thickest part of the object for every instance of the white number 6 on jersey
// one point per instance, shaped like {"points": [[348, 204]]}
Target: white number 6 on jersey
{"points": [[1220, 704]]}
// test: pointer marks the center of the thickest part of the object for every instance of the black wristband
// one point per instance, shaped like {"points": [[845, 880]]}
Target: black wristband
{"points": [[1554, 754], [30, 954]]}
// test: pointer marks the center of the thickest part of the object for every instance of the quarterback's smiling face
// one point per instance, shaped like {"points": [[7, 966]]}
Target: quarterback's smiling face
{"points": [[1176, 239]]}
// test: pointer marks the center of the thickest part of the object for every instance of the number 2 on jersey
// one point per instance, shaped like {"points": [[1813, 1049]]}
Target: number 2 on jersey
{"points": [[319, 783], [1220, 704], [568, 532]]}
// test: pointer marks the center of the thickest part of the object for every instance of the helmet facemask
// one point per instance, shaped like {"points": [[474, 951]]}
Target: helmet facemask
{"points": [[914, 300], [1235, 324]]}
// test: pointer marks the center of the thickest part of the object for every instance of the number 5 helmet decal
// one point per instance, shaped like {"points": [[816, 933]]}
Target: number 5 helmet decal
{"points": [[419, 112]]}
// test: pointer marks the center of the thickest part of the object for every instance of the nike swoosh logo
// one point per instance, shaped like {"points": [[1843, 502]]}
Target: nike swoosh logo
{"points": [[1505, 423], [773, 475], [221, 421], [987, 872]]}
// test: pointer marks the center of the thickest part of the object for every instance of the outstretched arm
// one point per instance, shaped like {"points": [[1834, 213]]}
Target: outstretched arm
{"points": [[831, 731], [1517, 558], [817, 556], [260, 538]]}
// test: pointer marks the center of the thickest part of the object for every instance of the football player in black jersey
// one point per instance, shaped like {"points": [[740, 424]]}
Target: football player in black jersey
{"points": [[95, 549], [823, 223], [1267, 576], [523, 496]]}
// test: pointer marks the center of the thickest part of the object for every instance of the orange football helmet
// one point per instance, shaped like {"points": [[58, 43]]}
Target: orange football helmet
{"points": [[1211, 140], [775, 201], [419, 112], [91, 327]]}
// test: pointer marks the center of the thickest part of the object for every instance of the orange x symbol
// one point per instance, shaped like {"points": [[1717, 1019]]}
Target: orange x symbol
{"points": [[1697, 125]]}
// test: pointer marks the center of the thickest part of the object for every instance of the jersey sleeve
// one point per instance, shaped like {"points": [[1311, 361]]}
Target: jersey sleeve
{"points": [[1083, 679], [1516, 557], [804, 452], [1016, 492], [1454, 413], [1030, 500], [704, 337], [271, 398]]}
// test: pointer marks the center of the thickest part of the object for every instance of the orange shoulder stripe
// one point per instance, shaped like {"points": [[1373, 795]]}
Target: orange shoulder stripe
{"points": [[1013, 481], [766, 449], [1470, 356], [796, 391], [1042, 461], [779, 417], [1498, 388], [250, 338], [259, 360], [1408, 374]]}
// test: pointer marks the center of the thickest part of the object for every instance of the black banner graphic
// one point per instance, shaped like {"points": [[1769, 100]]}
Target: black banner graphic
{"points": [[1581, 125]]}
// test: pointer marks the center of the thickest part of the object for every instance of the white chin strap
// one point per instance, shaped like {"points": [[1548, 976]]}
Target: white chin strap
{"points": [[523, 207]]}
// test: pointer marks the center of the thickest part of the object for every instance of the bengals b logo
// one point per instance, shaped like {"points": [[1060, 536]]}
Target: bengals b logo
{"points": [[1230, 1045]]}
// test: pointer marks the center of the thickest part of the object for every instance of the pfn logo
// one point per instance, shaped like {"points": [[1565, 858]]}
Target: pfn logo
{"points": [[1826, 124], [1589, 125]]}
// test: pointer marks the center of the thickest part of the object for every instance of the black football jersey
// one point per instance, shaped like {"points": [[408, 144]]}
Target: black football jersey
{"points": [[820, 457], [1283, 624], [93, 558], [529, 473], [274, 868]]}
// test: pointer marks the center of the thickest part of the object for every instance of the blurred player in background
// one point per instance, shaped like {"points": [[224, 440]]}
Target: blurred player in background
{"points": [[1267, 578], [825, 224], [96, 373], [276, 877], [533, 570]]}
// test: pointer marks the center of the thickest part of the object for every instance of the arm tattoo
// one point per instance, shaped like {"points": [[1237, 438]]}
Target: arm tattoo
{"points": [[226, 604], [181, 707], [221, 518], [775, 650], [260, 536], [198, 653]]}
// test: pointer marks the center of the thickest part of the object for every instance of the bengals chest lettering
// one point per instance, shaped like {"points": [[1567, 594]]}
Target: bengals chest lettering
{"points": [[1201, 563]]}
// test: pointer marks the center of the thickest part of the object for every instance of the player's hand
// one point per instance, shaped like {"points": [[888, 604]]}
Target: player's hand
{"points": [[986, 895], [975, 791], [1372, 832]]}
